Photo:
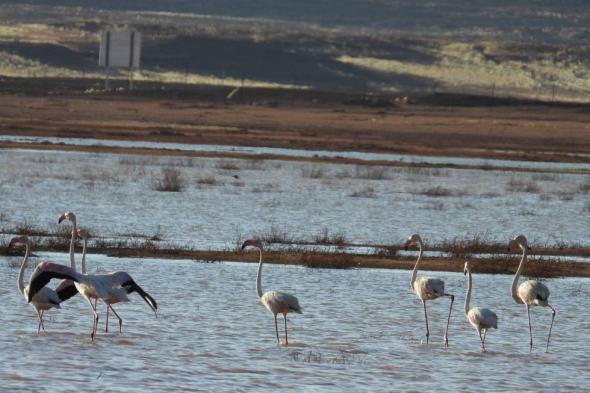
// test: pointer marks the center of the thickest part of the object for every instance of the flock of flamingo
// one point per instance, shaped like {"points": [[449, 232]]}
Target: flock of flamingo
{"points": [[114, 287], [110, 288]]}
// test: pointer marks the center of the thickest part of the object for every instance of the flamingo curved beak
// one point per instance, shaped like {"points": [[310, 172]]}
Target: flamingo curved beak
{"points": [[407, 244]]}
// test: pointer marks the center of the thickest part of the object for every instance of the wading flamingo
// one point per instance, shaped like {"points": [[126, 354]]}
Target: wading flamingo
{"points": [[479, 318], [427, 288], [45, 299], [71, 217], [275, 302], [531, 292], [114, 299], [110, 288], [67, 288]]}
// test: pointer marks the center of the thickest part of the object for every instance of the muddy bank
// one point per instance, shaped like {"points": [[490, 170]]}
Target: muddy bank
{"points": [[501, 264], [527, 131]]}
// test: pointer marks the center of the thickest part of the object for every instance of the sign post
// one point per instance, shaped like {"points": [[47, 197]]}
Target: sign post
{"points": [[119, 49]]}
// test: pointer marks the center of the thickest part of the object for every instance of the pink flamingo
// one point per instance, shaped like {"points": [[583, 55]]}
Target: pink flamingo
{"points": [[43, 300], [531, 292], [427, 288], [67, 288], [275, 302], [110, 288], [479, 318]]}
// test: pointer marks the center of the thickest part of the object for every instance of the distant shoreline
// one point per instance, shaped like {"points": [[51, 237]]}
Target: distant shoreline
{"points": [[323, 260], [439, 126]]}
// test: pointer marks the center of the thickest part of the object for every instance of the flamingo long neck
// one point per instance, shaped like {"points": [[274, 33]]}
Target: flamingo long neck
{"points": [[468, 296], [72, 246], [517, 277], [415, 271], [259, 275], [84, 256], [21, 282]]}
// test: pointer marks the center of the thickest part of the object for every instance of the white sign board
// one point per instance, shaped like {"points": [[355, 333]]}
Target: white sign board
{"points": [[119, 49]]}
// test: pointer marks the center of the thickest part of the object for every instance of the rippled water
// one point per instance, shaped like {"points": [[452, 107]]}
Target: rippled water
{"points": [[225, 200], [361, 330]]}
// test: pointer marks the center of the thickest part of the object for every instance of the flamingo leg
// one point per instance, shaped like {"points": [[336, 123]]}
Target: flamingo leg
{"points": [[40, 318], [42, 322], [95, 321], [426, 319], [96, 308], [286, 338], [277, 330], [483, 347], [485, 331], [449, 320], [106, 327], [528, 310], [551, 326], [118, 317]]}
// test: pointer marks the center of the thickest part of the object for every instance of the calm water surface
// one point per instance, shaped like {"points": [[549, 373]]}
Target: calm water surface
{"points": [[362, 330]]}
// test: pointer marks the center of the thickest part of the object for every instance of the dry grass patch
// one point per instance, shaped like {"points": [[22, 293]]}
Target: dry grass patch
{"points": [[208, 180], [171, 181], [368, 192], [255, 164], [520, 185], [465, 248], [584, 187], [275, 235], [267, 187], [227, 165], [440, 191], [371, 172], [313, 172], [325, 237]]}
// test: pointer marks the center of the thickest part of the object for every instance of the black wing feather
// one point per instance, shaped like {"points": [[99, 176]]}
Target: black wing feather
{"points": [[66, 290], [131, 286]]}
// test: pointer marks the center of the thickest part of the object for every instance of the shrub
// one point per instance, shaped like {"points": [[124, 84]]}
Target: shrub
{"points": [[171, 181], [518, 185]]}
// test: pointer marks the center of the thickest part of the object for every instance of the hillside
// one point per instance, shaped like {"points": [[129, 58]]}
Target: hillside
{"points": [[525, 49]]}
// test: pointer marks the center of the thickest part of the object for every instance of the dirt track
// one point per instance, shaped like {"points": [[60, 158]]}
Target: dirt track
{"points": [[511, 132]]}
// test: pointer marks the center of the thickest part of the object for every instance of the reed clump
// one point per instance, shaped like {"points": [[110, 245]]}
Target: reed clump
{"points": [[171, 181]]}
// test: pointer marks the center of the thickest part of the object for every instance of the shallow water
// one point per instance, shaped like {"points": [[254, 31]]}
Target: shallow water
{"points": [[362, 330], [225, 201], [474, 162]]}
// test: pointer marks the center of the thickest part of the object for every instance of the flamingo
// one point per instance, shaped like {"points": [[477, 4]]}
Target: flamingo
{"points": [[275, 302], [84, 236], [531, 292], [427, 288], [67, 288], [479, 318], [110, 288], [71, 217], [45, 299]]}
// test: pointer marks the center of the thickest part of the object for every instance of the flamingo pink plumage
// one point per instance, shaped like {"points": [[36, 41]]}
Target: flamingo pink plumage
{"points": [[427, 288], [275, 302], [109, 288], [479, 318], [43, 300], [531, 292]]}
